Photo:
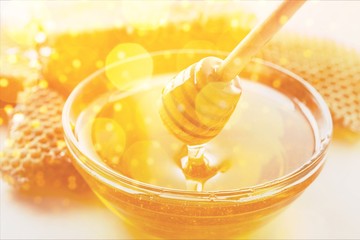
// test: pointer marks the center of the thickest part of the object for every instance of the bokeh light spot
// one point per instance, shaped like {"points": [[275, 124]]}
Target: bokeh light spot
{"points": [[45, 51], [61, 144], [62, 78], [76, 63], [43, 109], [40, 37], [43, 83], [35, 124], [8, 109], [109, 138], [4, 82], [118, 107], [276, 83], [186, 27], [128, 72], [283, 19]]}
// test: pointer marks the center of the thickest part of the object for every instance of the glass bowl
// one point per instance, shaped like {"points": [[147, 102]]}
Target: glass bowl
{"points": [[177, 213]]}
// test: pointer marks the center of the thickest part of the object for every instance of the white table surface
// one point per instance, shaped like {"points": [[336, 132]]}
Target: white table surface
{"points": [[328, 209]]}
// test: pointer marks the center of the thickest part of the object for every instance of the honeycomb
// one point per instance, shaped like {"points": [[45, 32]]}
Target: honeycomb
{"points": [[35, 156], [331, 68]]}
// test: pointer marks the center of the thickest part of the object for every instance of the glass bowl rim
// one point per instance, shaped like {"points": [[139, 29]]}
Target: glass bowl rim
{"points": [[250, 193]]}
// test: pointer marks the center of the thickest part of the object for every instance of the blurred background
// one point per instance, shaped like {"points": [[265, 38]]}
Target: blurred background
{"points": [[331, 19], [32, 31]]}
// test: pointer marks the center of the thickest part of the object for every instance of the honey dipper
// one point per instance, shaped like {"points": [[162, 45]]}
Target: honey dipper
{"points": [[197, 102]]}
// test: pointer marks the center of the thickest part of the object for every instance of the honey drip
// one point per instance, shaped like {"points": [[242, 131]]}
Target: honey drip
{"points": [[196, 168]]}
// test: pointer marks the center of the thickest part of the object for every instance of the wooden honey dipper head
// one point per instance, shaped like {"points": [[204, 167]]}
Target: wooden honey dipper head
{"points": [[196, 104], [198, 101]]}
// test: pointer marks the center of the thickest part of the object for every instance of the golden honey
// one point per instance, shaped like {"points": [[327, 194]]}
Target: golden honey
{"points": [[260, 143], [127, 134], [271, 148]]}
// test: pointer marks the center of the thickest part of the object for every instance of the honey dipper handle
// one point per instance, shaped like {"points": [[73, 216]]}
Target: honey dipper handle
{"points": [[253, 42]]}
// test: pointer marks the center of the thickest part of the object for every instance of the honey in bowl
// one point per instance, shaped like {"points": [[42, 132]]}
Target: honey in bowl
{"points": [[270, 150]]}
